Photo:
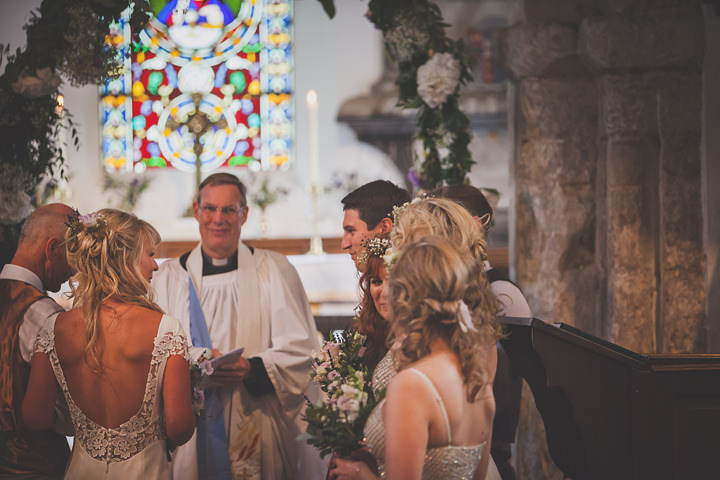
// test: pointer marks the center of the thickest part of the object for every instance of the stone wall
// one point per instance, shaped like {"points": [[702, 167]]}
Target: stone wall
{"points": [[608, 227]]}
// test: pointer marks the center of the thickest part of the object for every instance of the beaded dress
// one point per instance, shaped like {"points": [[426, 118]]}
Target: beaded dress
{"points": [[447, 463], [138, 447]]}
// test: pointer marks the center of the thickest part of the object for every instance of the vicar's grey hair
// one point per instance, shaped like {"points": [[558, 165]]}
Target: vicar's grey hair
{"points": [[223, 179]]}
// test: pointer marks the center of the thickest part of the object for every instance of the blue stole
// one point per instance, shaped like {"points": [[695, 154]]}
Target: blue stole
{"points": [[212, 442]]}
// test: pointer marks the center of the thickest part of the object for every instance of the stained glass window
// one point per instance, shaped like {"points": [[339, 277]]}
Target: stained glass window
{"points": [[208, 78]]}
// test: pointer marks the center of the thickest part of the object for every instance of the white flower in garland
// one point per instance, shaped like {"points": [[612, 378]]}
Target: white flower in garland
{"points": [[406, 37], [45, 83], [15, 203], [438, 78]]}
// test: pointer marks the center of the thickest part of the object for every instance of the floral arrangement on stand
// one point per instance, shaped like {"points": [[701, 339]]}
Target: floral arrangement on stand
{"points": [[126, 187], [336, 422], [432, 68], [263, 194], [64, 37]]}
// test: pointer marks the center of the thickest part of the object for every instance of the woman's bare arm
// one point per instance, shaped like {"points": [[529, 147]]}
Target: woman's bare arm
{"points": [[406, 416], [179, 416], [38, 406]]}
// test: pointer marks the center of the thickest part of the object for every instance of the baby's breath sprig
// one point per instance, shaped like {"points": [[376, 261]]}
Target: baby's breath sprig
{"points": [[373, 247]]}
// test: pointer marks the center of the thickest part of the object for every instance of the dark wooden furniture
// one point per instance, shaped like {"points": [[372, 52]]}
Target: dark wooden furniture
{"points": [[613, 414]]}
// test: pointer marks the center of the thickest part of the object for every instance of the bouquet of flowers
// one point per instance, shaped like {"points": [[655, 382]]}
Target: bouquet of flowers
{"points": [[198, 370], [336, 422]]}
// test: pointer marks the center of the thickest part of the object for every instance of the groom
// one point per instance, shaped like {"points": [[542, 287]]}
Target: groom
{"points": [[39, 264]]}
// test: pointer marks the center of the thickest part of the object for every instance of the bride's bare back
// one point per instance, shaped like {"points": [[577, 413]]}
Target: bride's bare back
{"points": [[125, 344]]}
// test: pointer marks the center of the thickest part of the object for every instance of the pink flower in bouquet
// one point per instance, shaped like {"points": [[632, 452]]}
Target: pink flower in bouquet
{"points": [[331, 351]]}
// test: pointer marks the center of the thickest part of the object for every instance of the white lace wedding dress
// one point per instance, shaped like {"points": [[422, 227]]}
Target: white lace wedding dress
{"points": [[138, 447]]}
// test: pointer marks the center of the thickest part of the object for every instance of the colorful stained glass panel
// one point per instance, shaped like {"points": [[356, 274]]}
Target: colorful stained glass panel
{"points": [[209, 81]]}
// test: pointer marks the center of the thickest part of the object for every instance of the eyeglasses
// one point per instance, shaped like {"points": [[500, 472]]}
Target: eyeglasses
{"points": [[227, 212]]}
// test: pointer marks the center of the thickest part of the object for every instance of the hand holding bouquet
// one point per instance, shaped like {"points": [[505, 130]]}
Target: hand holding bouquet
{"points": [[336, 422], [199, 371]]}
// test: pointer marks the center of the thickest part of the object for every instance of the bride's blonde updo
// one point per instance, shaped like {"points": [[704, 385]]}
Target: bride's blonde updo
{"points": [[106, 249], [435, 293]]}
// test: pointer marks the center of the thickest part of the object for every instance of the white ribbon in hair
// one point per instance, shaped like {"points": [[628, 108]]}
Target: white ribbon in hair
{"points": [[464, 318]]}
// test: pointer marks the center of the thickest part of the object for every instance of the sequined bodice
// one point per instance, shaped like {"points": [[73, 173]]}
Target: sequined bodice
{"points": [[384, 371], [447, 463], [110, 445]]}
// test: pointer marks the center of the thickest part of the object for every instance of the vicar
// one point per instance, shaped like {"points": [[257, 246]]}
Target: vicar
{"points": [[230, 296], [39, 264]]}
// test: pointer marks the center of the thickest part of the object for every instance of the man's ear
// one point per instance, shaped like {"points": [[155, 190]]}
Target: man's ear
{"points": [[243, 215], [51, 246], [196, 210], [386, 225]]}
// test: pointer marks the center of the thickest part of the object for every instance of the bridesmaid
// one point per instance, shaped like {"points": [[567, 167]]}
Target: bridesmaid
{"points": [[436, 420]]}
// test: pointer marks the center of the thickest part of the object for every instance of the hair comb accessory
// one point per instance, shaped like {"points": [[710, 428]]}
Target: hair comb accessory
{"points": [[77, 222], [464, 318], [374, 247]]}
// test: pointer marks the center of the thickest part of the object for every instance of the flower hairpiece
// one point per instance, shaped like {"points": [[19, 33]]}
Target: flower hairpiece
{"points": [[374, 247], [464, 318], [398, 210], [390, 257], [76, 223]]}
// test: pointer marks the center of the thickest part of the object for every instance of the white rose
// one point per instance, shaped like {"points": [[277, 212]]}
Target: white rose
{"points": [[45, 83], [438, 78]]}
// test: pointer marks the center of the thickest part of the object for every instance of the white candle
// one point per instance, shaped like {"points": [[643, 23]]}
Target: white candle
{"points": [[314, 142]]}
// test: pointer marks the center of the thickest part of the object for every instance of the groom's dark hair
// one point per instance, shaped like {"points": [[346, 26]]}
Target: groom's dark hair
{"points": [[375, 201]]}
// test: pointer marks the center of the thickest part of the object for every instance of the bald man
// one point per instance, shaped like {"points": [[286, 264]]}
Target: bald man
{"points": [[39, 265]]}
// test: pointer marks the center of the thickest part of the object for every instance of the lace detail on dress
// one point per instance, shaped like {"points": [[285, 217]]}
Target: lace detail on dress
{"points": [[123, 442]]}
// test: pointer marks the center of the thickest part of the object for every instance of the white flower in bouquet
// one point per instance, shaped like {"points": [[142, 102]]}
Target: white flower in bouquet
{"points": [[336, 421], [438, 78]]}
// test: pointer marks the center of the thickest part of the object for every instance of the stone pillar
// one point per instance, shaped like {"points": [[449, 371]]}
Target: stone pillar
{"points": [[648, 62], [607, 231], [555, 131], [555, 163]]}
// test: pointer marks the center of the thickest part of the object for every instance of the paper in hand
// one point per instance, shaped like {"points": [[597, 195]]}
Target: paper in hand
{"points": [[230, 357]]}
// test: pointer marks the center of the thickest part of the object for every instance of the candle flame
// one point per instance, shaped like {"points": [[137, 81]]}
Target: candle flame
{"points": [[311, 98]]}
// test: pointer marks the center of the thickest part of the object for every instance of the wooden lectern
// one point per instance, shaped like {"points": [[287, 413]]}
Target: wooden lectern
{"points": [[613, 414]]}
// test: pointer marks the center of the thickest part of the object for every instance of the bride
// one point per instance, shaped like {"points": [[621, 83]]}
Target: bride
{"points": [[121, 364], [436, 420]]}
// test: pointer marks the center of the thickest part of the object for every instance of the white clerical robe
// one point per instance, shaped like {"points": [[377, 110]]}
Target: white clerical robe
{"points": [[281, 331]]}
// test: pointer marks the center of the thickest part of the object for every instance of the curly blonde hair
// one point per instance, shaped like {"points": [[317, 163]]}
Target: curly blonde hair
{"points": [[107, 258], [430, 282], [440, 216]]}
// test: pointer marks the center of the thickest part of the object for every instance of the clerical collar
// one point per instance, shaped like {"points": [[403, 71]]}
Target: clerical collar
{"points": [[214, 266], [231, 263]]}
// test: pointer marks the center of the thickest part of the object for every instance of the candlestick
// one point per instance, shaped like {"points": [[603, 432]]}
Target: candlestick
{"points": [[315, 240], [312, 104]]}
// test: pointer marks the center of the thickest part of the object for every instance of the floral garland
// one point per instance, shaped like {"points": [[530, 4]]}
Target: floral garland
{"points": [[432, 68], [65, 37]]}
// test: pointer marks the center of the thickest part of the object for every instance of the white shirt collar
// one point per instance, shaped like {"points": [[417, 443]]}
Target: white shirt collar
{"points": [[16, 272]]}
